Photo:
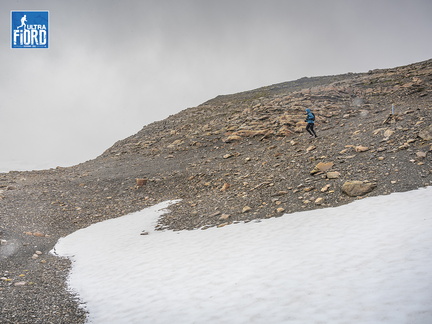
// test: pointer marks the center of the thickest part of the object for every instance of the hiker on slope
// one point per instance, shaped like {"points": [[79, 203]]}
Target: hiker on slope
{"points": [[310, 119]]}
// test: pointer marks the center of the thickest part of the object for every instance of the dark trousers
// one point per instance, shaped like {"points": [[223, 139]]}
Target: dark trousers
{"points": [[310, 129]]}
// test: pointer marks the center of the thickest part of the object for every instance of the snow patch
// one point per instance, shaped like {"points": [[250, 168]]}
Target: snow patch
{"points": [[365, 262]]}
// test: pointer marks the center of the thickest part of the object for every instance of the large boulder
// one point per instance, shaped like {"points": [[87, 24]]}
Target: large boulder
{"points": [[357, 188], [426, 133]]}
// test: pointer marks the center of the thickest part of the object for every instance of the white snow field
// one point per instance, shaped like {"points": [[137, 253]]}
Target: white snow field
{"points": [[366, 262]]}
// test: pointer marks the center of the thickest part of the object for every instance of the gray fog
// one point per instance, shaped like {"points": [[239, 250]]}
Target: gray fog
{"points": [[113, 67]]}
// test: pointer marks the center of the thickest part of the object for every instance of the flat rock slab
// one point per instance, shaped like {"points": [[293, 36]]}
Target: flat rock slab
{"points": [[357, 188]]}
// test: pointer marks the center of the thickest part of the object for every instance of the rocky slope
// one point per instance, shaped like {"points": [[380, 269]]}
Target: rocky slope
{"points": [[234, 158], [246, 156]]}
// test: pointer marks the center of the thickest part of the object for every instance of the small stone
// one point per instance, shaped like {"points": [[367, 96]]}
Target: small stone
{"points": [[280, 210], [319, 201], [421, 155], [227, 156], [333, 175], [144, 233], [225, 186], [426, 134], [311, 148], [325, 188], [404, 146], [19, 283], [35, 256], [388, 133], [381, 158], [246, 209], [224, 217], [280, 193], [140, 182], [3, 242], [38, 252], [232, 138], [361, 148], [322, 167]]}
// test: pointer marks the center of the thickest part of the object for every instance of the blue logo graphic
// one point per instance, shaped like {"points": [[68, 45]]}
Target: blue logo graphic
{"points": [[29, 29]]}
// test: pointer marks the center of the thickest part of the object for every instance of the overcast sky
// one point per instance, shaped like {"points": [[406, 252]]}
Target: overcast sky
{"points": [[114, 66]]}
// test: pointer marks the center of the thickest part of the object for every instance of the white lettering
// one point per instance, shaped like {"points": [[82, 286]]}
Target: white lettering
{"points": [[34, 35], [42, 37], [15, 36], [26, 37], [30, 37], [38, 27]]}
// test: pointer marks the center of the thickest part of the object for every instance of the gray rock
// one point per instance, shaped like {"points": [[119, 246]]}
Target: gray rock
{"points": [[357, 188], [426, 134]]}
